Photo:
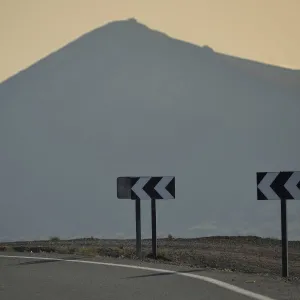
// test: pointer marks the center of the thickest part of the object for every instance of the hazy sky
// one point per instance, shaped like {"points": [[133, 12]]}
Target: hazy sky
{"points": [[262, 30]]}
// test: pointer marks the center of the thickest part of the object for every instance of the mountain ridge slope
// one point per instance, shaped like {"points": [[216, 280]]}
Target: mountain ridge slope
{"points": [[127, 101]]}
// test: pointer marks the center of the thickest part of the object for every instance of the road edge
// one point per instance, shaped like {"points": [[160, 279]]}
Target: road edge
{"points": [[213, 281]]}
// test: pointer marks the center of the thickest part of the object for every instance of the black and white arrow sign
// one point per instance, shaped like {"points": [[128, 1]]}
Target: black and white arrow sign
{"points": [[278, 185], [146, 187]]}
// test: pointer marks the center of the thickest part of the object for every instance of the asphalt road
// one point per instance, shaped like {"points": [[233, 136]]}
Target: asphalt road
{"points": [[22, 278]]}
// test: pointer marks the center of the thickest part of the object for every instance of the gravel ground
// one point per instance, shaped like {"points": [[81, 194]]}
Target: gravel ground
{"points": [[234, 254]]}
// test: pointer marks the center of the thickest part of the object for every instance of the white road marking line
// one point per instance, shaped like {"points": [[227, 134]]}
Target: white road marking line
{"points": [[216, 282]]}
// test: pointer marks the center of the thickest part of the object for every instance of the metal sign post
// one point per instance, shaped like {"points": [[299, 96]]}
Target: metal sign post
{"points": [[284, 240], [153, 225], [138, 228]]}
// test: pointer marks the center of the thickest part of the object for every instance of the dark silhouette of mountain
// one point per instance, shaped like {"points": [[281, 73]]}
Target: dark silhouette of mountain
{"points": [[126, 100]]}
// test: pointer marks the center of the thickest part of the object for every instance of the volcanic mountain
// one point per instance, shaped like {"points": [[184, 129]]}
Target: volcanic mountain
{"points": [[125, 100]]}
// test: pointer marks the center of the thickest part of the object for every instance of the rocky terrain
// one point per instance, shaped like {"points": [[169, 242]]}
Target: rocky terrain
{"points": [[247, 254]]}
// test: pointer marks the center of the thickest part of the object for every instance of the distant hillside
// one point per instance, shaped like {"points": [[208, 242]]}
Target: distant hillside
{"points": [[126, 100]]}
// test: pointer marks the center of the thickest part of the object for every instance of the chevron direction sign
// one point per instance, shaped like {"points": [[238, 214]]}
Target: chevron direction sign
{"points": [[278, 185], [146, 188], [281, 186]]}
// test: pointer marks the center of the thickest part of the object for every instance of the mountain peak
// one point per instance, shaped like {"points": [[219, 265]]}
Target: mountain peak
{"points": [[132, 20], [129, 23]]}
